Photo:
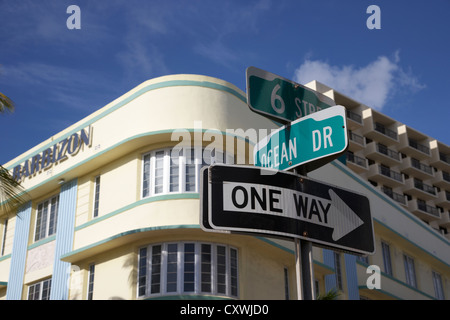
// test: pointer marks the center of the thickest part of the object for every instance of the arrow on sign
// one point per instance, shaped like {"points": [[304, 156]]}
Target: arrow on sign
{"points": [[344, 220], [265, 199]]}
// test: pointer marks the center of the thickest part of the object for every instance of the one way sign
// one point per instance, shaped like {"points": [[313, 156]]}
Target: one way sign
{"points": [[240, 199]]}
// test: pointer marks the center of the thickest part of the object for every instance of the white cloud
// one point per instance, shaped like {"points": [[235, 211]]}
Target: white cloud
{"points": [[372, 85]]}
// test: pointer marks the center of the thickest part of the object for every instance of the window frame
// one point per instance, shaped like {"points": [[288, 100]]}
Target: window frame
{"points": [[38, 233], [387, 257], [96, 198], [90, 282], [40, 292], [410, 270], [4, 229], [160, 277], [181, 158], [438, 285]]}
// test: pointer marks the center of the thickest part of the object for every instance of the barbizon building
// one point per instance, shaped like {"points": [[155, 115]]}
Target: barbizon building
{"points": [[114, 211]]}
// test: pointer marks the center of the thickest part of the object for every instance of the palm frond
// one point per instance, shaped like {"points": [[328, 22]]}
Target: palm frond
{"points": [[12, 194], [6, 104]]}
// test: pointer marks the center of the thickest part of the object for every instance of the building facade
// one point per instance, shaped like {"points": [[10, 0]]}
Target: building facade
{"points": [[114, 205]]}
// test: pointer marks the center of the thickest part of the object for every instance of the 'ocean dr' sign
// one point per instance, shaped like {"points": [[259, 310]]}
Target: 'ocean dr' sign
{"points": [[316, 136]]}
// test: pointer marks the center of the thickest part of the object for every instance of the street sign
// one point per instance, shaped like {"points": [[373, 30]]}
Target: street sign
{"points": [[321, 135], [283, 204], [281, 99]]}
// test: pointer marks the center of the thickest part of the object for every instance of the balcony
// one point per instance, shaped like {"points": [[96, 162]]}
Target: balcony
{"points": [[356, 141], [415, 168], [357, 164], [442, 179], [380, 153], [400, 198], [443, 199], [445, 220], [413, 143], [354, 120], [440, 156], [424, 211], [385, 176], [419, 189], [379, 132]]}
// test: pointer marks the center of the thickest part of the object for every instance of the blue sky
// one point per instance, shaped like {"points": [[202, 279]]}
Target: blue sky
{"points": [[57, 76]]}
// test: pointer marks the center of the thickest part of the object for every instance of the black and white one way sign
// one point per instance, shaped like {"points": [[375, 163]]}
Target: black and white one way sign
{"points": [[241, 199]]}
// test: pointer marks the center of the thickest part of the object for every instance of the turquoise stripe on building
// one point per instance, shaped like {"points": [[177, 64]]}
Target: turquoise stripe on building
{"points": [[352, 277], [328, 259], [19, 256], [64, 240]]}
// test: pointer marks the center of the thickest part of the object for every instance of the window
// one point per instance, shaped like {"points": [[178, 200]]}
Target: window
{"points": [[410, 271], [40, 290], [96, 196], [386, 258], [438, 288], [286, 283], [338, 270], [46, 220], [177, 169], [91, 282], [3, 240], [187, 267]]}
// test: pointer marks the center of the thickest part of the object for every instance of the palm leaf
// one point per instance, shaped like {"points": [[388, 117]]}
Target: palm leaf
{"points": [[12, 194], [6, 104]]}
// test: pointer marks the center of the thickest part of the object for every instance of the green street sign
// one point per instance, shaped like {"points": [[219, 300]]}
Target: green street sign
{"points": [[315, 140], [281, 99]]}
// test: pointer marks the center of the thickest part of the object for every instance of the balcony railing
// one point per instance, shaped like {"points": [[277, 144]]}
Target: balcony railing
{"points": [[387, 132], [356, 138], [394, 195], [427, 208], [444, 157], [414, 144], [357, 160], [381, 148], [422, 167], [354, 116], [446, 176], [424, 187], [390, 173]]}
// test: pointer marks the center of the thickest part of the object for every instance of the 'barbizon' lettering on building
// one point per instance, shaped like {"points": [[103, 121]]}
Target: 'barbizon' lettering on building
{"points": [[54, 154]]}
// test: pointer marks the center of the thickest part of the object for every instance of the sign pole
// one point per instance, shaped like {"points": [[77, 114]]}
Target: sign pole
{"points": [[298, 269], [304, 267], [307, 269]]}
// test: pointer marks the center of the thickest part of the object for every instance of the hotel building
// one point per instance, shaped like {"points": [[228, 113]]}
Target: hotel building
{"points": [[114, 205]]}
